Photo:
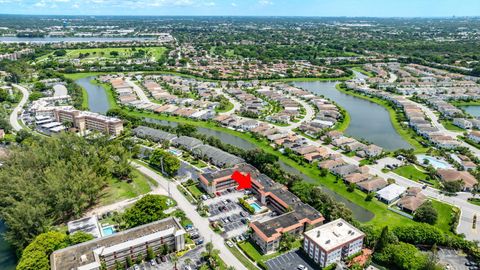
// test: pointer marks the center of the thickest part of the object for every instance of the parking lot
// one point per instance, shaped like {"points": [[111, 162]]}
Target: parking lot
{"points": [[290, 261], [194, 256], [452, 260]]}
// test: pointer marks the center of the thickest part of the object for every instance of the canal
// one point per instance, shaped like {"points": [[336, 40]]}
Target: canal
{"points": [[360, 213], [368, 120], [97, 97]]}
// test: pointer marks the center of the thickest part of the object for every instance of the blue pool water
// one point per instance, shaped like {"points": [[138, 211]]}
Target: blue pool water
{"points": [[256, 207], [435, 162], [106, 231]]}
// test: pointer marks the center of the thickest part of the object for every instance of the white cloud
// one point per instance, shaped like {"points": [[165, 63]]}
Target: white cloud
{"points": [[234, 4], [265, 2]]}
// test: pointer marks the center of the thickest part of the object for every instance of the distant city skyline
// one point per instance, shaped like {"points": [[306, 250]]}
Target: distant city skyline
{"points": [[321, 8]]}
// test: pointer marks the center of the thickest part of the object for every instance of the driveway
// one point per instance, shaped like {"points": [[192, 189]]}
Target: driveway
{"points": [[290, 261]]}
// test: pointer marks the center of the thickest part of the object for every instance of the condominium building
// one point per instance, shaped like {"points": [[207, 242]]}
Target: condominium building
{"points": [[332, 242], [84, 120], [292, 215], [106, 251]]}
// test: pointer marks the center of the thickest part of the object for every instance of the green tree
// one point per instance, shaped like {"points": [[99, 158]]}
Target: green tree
{"points": [[79, 237], [286, 242], [402, 256], [426, 213], [148, 209], [150, 254], [165, 161]]}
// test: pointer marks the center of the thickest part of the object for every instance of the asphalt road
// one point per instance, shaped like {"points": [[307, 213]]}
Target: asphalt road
{"points": [[17, 110]]}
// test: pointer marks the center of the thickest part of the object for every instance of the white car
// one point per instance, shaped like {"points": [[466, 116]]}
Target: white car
{"points": [[302, 267], [229, 244]]}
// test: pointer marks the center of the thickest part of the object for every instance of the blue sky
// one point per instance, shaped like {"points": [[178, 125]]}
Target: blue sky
{"points": [[351, 8]]}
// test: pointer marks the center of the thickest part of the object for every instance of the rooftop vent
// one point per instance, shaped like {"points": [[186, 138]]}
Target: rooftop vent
{"points": [[318, 234]]}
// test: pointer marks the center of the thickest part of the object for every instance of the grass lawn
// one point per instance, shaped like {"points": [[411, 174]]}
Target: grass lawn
{"points": [[343, 125], [196, 192], [121, 190], [465, 103], [411, 173], [450, 126], [475, 201], [97, 53], [445, 214], [244, 260], [363, 71], [185, 193], [227, 108], [253, 252], [406, 133]]}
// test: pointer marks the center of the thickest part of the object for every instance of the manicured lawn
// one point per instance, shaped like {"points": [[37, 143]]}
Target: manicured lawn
{"points": [[98, 53], [244, 260], [406, 133], [227, 108], [196, 192], [363, 71], [121, 190], [411, 173], [475, 201], [450, 126], [343, 125], [445, 214], [185, 193], [465, 103], [253, 252], [76, 76]]}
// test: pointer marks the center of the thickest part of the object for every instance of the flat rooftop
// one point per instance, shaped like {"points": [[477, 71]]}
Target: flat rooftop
{"points": [[334, 234], [83, 254]]}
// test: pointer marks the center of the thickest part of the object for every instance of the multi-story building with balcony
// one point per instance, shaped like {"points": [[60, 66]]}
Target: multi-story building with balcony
{"points": [[84, 120], [104, 253]]}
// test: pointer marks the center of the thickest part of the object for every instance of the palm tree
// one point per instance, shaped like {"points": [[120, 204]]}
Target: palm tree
{"points": [[174, 260]]}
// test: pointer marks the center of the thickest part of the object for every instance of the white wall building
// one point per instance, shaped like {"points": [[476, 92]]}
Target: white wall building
{"points": [[332, 242]]}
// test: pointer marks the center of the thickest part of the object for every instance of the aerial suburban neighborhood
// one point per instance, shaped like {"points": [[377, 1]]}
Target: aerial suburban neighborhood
{"points": [[290, 136]]}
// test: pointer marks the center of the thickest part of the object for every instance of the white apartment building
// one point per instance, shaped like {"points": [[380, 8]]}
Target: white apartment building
{"points": [[104, 252], [332, 242]]}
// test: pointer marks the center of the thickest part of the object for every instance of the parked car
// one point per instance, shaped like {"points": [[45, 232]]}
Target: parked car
{"points": [[229, 244]]}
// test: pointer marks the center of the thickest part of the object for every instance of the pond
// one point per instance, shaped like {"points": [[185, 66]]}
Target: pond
{"points": [[368, 120], [360, 213], [97, 97], [8, 260], [473, 110]]}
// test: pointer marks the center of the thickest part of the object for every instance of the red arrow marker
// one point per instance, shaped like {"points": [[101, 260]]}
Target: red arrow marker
{"points": [[244, 181]]}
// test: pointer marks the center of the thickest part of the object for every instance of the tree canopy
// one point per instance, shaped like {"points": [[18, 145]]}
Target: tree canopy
{"points": [[46, 181], [148, 209]]}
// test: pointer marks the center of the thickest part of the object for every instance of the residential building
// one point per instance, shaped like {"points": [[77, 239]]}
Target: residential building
{"points": [[332, 242], [106, 251], [390, 193], [372, 185], [452, 175], [89, 121], [412, 200]]}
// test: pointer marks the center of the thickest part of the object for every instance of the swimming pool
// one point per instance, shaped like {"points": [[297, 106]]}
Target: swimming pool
{"points": [[106, 231], [175, 152], [256, 207], [435, 162]]}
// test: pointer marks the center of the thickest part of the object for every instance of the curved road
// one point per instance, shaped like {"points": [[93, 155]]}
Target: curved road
{"points": [[14, 115]]}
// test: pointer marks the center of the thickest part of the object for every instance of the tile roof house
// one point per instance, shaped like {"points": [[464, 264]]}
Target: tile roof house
{"points": [[372, 185], [451, 175], [412, 200]]}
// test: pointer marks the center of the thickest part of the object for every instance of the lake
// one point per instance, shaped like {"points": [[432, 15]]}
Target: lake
{"points": [[368, 120], [473, 110], [97, 97], [8, 260]]}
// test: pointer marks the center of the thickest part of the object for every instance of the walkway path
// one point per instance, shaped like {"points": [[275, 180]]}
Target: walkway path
{"points": [[17, 110], [201, 223]]}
